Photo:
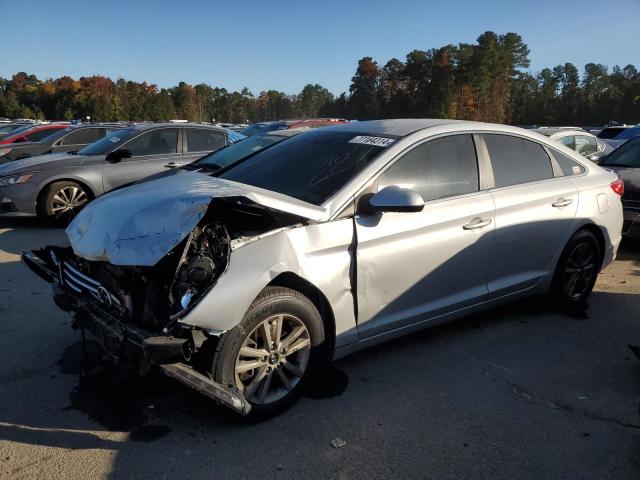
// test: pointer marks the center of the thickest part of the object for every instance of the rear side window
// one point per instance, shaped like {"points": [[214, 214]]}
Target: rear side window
{"points": [[440, 168], [516, 160], [202, 140], [567, 164], [83, 136]]}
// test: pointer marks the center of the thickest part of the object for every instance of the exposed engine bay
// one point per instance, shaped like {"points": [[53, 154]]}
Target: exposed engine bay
{"points": [[154, 298]]}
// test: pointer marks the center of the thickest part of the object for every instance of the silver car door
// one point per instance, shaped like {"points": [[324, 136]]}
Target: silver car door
{"points": [[150, 152], [415, 266], [535, 213]]}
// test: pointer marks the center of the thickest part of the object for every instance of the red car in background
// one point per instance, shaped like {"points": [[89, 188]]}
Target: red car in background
{"points": [[317, 122], [32, 134]]}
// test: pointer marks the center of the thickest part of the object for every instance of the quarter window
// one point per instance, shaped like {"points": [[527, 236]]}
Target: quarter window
{"points": [[516, 160], [202, 140], [436, 169], [567, 164], [156, 142]]}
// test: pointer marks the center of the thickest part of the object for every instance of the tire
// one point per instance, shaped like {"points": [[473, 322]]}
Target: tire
{"points": [[577, 270], [60, 202], [243, 360]]}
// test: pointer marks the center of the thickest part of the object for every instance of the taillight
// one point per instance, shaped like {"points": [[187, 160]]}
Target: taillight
{"points": [[618, 187]]}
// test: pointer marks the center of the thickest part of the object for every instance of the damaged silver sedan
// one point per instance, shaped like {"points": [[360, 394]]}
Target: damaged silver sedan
{"points": [[238, 281]]}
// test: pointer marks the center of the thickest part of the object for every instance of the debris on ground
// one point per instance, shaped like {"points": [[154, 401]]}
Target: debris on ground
{"points": [[338, 443]]}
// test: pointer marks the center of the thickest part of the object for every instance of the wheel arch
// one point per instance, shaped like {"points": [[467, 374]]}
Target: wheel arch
{"points": [[598, 233], [313, 293]]}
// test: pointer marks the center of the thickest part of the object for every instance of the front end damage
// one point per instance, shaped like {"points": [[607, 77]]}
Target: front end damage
{"points": [[135, 311]]}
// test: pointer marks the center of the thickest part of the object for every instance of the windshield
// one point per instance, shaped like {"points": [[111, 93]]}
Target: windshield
{"points": [[311, 166], [237, 151], [626, 155], [628, 133], [110, 142], [260, 128]]}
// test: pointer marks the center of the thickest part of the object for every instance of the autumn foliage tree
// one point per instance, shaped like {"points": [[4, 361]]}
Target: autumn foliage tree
{"points": [[486, 81]]}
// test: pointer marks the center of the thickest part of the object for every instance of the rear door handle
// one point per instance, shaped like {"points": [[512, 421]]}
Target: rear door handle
{"points": [[477, 223], [562, 202]]}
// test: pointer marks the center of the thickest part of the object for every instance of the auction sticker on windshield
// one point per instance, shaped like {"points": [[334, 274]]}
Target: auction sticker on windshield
{"points": [[377, 141]]}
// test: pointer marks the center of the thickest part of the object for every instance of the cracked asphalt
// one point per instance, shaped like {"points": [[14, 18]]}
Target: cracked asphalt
{"points": [[517, 392]]}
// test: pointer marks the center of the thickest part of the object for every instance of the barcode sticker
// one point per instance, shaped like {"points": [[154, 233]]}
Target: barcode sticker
{"points": [[377, 141]]}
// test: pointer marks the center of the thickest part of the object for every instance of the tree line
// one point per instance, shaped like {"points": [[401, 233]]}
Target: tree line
{"points": [[484, 81]]}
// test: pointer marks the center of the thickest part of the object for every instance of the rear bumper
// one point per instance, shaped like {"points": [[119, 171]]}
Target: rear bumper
{"points": [[128, 345]]}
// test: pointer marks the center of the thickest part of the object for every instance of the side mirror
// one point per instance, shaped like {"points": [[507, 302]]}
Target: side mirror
{"points": [[21, 139], [117, 155], [392, 199]]}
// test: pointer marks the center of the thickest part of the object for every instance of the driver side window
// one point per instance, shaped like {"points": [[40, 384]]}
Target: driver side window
{"points": [[156, 142], [440, 168]]}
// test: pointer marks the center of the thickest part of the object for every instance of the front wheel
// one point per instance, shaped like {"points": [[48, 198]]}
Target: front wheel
{"points": [[577, 270], [62, 201], [272, 352]]}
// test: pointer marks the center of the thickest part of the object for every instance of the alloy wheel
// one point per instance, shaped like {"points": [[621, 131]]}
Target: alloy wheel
{"points": [[68, 201], [580, 270], [273, 359]]}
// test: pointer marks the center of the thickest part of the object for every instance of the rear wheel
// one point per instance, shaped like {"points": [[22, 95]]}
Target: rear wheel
{"points": [[577, 270], [272, 352], [62, 201]]}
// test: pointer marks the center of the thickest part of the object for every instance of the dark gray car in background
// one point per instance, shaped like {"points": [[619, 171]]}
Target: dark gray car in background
{"points": [[57, 185], [69, 139]]}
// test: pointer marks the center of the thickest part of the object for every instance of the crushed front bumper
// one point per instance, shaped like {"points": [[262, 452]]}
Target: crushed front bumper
{"points": [[121, 340]]}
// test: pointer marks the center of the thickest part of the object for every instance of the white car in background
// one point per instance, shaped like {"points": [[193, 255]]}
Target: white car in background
{"points": [[578, 140]]}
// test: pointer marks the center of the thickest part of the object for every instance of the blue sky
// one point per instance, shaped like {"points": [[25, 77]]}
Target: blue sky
{"points": [[284, 44]]}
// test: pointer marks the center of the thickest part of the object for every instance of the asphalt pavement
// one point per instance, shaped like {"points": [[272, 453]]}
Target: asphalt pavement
{"points": [[521, 391]]}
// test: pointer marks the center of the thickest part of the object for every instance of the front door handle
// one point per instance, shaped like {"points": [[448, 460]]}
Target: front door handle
{"points": [[172, 165], [562, 202], [477, 222]]}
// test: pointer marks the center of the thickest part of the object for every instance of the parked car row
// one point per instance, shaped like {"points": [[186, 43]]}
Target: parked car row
{"points": [[66, 139], [244, 270], [20, 132], [581, 141], [57, 185], [263, 127]]}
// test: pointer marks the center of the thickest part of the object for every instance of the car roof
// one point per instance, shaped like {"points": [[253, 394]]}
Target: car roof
{"points": [[406, 126], [288, 132], [149, 126], [550, 131]]}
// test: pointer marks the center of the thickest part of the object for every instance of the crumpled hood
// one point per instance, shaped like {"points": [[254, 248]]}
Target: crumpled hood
{"points": [[38, 162], [140, 224]]}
